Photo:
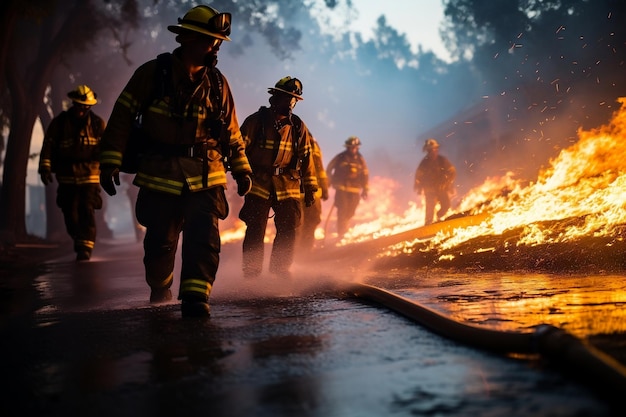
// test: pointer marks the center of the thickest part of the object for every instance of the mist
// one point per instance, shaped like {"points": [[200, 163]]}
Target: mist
{"points": [[487, 123]]}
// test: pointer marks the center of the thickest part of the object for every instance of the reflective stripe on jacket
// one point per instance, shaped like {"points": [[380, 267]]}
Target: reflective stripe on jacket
{"points": [[320, 172], [348, 172], [265, 144], [183, 119], [72, 151], [434, 174]]}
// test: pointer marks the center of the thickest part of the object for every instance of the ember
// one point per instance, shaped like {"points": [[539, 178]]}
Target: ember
{"points": [[577, 202], [585, 182]]}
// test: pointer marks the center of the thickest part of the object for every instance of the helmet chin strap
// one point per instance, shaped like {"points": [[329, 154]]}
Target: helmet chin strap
{"points": [[210, 60], [282, 110], [279, 107]]}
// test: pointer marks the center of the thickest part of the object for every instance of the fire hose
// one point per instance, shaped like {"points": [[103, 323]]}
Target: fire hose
{"points": [[602, 372]]}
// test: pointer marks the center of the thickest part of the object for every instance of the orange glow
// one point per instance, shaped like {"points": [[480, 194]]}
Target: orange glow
{"points": [[586, 181], [580, 305], [234, 234]]}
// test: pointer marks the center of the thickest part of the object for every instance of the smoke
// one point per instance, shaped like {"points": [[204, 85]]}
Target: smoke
{"points": [[308, 277], [392, 110]]}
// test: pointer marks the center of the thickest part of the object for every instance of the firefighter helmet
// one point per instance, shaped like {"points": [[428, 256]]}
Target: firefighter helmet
{"points": [[83, 95], [288, 85], [430, 144], [206, 21], [352, 141]]}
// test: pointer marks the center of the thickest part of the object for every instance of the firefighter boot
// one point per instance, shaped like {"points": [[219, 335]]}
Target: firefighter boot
{"points": [[194, 307], [83, 254], [160, 295]]}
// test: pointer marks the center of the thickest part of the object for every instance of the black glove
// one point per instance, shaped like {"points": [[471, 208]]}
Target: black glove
{"points": [[244, 184], [323, 183], [324, 193], [46, 176], [108, 174], [309, 197]]}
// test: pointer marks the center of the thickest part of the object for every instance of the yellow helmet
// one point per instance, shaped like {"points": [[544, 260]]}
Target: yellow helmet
{"points": [[430, 144], [206, 21], [83, 95], [352, 141], [288, 85]]}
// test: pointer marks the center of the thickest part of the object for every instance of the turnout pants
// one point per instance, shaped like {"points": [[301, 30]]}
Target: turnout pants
{"points": [[196, 215], [311, 217], [255, 212], [431, 199], [346, 204], [78, 204]]}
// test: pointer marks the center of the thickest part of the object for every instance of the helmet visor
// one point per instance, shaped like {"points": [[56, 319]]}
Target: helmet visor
{"points": [[220, 24], [295, 86]]}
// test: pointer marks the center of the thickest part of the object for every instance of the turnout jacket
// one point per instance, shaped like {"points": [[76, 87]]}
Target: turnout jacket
{"points": [[280, 155], [320, 172], [348, 172], [71, 148], [434, 174], [183, 148]]}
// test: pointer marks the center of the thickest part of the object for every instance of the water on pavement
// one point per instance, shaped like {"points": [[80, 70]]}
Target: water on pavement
{"points": [[95, 346]]}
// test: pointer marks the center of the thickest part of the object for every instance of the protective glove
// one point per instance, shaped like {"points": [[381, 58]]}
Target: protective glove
{"points": [[244, 184], [46, 176], [364, 194], [109, 174], [309, 197], [325, 193], [323, 183]]}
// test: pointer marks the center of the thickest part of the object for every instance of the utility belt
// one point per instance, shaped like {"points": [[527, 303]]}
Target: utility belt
{"points": [[280, 171], [68, 160], [288, 171], [196, 150]]}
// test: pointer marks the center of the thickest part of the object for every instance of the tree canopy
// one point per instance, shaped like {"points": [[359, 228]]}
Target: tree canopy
{"points": [[525, 74]]}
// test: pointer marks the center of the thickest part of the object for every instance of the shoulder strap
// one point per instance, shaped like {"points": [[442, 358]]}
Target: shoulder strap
{"points": [[263, 114], [297, 127], [164, 86], [296, 136], [216, 91], [96, 126]]}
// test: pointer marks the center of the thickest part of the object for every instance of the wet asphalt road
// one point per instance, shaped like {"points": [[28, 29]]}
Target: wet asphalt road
{"points": [[83, 340]]}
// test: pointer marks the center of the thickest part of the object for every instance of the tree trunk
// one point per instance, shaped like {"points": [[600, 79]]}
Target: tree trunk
{"points": [[55, 224], [12, 196]]}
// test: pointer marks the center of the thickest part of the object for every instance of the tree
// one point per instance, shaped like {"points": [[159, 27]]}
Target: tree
{"points": [[37, 37], [545, 49], [40, 39], [552, 66]]}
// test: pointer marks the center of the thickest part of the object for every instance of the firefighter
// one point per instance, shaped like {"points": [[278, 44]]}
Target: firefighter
{"points": [[278, 145], [312, 216], [190, 132], [434, 177], [349, 175], [70, 150]]}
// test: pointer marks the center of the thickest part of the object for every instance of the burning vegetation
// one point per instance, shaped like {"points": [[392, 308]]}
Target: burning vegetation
{"points": [[572, 218]]}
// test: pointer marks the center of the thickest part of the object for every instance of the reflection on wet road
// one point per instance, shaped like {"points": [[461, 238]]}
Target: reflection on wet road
{"points": [[581, 305], [96, 347]]}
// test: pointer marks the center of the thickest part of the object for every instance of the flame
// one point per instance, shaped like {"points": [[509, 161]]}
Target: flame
{"points": [[375, 217], [234, 233], [585, 181]]}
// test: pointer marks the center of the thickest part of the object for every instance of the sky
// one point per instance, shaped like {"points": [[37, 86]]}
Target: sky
{"points": [[419, 20]]}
